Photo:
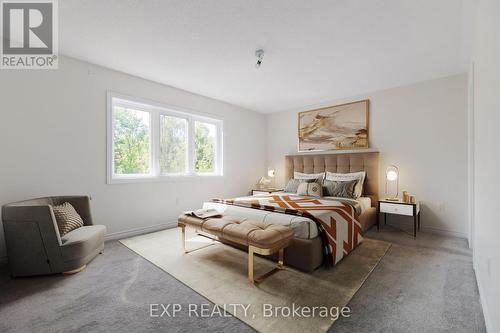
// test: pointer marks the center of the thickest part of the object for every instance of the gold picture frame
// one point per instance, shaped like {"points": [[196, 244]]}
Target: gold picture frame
{"points": [[337, 127]]}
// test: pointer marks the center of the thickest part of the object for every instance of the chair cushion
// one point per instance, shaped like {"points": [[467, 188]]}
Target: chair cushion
{"points": [[82, 241], [67, 218]]}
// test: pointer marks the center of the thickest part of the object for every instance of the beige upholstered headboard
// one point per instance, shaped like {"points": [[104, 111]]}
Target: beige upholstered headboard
{"points": [[340, 163]]}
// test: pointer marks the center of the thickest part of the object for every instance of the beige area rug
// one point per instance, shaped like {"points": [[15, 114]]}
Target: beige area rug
{"points": [[219, 273]]}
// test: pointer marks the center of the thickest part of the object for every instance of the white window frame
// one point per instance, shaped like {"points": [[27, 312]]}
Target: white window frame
{"points": [[155, 110]]}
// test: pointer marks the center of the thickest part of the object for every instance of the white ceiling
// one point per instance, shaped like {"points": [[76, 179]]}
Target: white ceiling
{"points": [[315, 51]]}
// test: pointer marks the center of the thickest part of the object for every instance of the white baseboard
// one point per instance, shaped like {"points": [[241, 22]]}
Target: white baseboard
{"points": [[138, 231], [173, 224], [124, 234], [444, 232], [431, 230], [486, 315]]}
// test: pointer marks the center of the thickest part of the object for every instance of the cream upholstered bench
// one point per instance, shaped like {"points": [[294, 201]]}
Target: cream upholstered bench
{"points": [[260, 237]]}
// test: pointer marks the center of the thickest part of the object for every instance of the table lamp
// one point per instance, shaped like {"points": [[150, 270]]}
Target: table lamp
{"points": [[271, 173], [392, 175]]}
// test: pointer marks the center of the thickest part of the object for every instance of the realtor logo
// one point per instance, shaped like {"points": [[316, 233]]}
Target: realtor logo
{"points": [[29, 34]]}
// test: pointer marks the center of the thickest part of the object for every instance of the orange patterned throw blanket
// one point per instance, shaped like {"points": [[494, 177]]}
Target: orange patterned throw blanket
{"points": [[338, 227]]}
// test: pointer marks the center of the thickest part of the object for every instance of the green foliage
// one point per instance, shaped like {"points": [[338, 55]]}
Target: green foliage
{"points": [[131, 142], [204, 147], [173, 143], [131, 139]]}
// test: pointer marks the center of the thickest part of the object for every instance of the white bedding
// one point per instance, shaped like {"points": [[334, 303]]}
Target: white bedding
{"points": [[304, 227]]}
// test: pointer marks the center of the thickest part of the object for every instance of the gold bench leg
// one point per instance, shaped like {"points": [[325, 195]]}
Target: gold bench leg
{"points": [[250, 264], [279, 265], [74, 271], [183, 233], [280, 258]]}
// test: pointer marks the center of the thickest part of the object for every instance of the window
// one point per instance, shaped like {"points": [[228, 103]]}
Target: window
{"points": [[147, 141], [131, 141], [205, 135], [173, 145]]}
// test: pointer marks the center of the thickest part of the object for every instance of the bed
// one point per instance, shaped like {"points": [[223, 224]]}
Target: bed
{"points": [[307, 250]]}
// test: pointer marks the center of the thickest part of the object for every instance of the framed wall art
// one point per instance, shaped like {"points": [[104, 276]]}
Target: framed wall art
{"points": [[337, 127]]}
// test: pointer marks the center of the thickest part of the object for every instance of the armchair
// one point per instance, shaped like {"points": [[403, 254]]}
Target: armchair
{"points": [[34, 245]]}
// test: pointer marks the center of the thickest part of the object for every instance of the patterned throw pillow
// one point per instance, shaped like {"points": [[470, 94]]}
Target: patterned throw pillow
{"points": [[67, 218], [359, 176], [342, 189], [310, 189], [293, 184]]}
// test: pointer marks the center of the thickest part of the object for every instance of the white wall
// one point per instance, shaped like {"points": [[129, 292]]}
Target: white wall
{"points": [[422, 128], [53, 142], [487, 159]]}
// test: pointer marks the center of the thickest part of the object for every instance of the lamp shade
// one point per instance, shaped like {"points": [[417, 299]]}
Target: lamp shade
{"points": [[392, 173], [271, 172], [392, 176]]}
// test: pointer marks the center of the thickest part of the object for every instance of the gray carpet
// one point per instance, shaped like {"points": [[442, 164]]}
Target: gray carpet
{"points": [[421, 285], [219, 273]]}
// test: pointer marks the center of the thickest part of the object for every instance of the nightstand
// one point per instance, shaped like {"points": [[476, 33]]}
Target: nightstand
{"points": [[399, 208], [266, 191]]}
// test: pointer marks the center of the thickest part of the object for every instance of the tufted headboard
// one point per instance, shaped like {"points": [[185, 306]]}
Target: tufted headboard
{"points": [[340, 163]]}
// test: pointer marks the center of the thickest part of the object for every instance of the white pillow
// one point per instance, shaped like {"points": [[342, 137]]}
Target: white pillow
{"points": [[358, 190], [300, 175]]}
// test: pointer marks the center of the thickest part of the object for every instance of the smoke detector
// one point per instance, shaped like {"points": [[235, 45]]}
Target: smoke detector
{"points": [[260, 56]]}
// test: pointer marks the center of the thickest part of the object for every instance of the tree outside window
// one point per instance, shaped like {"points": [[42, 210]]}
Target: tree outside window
{"points": [[149, 141], [204, 141], [131, 140], [173, 145]]}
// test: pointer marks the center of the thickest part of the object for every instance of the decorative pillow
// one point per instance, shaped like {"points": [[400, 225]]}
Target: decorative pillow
{"points": [[300, 175], [67, 218], [310, 189], [293, 184], [360, 176], [340, 189]]}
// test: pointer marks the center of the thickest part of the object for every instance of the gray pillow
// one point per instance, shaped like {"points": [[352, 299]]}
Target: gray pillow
{"points": [[293, 184], [342, 189]]}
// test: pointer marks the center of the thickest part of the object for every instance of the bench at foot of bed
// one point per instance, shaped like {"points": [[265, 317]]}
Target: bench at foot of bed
{"points": [[260, 237]]}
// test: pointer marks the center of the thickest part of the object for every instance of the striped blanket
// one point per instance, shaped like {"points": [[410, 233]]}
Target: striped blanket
{"points": [[338, 227]]}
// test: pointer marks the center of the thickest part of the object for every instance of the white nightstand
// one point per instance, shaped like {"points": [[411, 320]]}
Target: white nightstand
{"points": [[266, 191], [399, 208]]}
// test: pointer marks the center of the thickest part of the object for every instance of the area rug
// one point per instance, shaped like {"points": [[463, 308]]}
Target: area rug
{"points": [[288, 301]]}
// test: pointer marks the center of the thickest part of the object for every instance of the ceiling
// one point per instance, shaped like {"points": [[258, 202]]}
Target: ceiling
{"points": [[315, 51]]}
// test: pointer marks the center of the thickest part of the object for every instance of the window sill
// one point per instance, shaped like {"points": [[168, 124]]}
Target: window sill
{"points": [[161, 179]]}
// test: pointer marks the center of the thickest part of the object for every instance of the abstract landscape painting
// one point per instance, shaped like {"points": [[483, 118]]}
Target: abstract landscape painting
{"points": [[342, 126]]}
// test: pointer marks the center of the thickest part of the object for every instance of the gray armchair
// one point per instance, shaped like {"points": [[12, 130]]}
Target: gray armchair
{"points": [[34, 246]]}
